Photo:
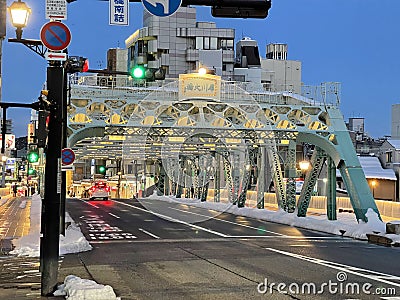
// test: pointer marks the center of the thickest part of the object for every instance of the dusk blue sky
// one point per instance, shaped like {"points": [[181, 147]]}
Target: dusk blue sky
{"points": [[355, 42]]}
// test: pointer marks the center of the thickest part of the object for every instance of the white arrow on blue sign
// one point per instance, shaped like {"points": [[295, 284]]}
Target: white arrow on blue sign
{"points": [[162, 8]]}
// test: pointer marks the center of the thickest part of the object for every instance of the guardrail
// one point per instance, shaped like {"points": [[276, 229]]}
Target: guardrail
{"points": [[386, 208]]}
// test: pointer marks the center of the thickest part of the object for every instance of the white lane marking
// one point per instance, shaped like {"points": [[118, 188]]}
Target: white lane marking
{"points": [[303, 239], [230, 222], [111, 214], [376, 276], [173, 220], [149, 233], [89, 203]]}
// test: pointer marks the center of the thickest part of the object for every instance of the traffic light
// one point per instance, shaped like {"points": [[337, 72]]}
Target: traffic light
{"points": [[76, 64], [242, 9], [149, 74], [42, 130], [31, 172], [101, 170], [138, 72], [33, 155]]}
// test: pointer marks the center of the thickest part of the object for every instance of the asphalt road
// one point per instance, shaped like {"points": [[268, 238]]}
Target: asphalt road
{"points": [[159, 250]]}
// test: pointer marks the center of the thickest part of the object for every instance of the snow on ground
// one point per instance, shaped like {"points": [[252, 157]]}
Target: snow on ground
{"points": [[346, 222], [28, 245], [76, 288]]}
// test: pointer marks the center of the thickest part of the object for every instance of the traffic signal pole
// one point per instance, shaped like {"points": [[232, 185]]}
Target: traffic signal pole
{"points": [[49, 241]]}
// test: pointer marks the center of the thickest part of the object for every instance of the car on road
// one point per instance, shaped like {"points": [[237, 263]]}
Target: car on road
{"points": [[99, 189]]}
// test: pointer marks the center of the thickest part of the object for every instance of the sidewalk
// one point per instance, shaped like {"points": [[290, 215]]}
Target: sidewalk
{"points": [[19, 276], [14, 220]]}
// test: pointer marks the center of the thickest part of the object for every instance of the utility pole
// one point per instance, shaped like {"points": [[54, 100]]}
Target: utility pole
{"points": [[51, 202]]}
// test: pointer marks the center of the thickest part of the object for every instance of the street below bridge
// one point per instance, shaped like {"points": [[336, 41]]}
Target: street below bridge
{"points": [[151, 249]]}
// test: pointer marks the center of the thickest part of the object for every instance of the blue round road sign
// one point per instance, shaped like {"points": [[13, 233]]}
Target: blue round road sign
{"points": [[161, 8], [55, 36], [67, 156]]}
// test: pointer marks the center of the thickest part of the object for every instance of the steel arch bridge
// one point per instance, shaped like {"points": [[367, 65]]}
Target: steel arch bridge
{"points": [[201, 121]]}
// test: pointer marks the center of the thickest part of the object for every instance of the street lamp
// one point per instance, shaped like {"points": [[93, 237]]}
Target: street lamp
{"points": [[304, 165], [202, 71], [19, 13], [373, 184], [52, 206]]}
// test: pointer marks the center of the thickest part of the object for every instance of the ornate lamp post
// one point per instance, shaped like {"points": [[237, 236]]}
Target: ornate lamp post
{"points": [[19, 13], [50, 221]]}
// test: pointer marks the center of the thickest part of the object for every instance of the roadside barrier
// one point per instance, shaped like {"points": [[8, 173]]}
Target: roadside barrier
{"points": [[389, 209]]}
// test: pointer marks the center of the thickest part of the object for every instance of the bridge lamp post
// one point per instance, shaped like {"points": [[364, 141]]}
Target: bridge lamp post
{"points": [[373, 184], [202, 71], [304, 166]]}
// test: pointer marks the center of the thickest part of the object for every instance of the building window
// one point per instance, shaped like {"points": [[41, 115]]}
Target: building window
{"points": [[199, 42], [389, 157], [226, 44], [213, 43], [207, 43]]}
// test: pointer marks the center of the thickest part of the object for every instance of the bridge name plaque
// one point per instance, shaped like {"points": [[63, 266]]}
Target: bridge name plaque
{"points": [[199, 86]]}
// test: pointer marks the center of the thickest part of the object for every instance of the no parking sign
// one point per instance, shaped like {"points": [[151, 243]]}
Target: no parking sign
{"points": [[67, 156]]}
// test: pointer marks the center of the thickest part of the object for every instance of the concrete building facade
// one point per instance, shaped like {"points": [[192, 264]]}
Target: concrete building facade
{"points": [[180, 44], [390, 157], [395, 130]]}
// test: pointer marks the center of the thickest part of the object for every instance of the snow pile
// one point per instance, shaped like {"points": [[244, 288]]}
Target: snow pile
{"points": [[23, 204], [75, 288], [3, 200], [29, 245], [345, 224]]}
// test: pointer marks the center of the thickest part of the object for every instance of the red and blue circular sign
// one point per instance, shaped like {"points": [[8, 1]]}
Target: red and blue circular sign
{"points": [[55, 36], [67, 156]]}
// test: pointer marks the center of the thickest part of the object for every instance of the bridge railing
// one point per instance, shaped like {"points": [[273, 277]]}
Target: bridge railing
{"points": [[388, 209], [325, 94]]}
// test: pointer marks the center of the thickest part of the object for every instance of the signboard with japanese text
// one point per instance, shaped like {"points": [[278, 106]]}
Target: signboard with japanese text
{"points": [[119, 12], [56, 9], [199, 86], [31, 133], [10, 141]]}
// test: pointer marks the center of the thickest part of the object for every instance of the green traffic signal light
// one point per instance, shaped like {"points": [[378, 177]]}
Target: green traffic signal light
{"points": [[102, 169], [33, 156], [138, 72], [31, 172]]}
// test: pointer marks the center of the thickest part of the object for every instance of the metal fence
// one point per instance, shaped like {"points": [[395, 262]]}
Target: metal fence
{"points": [[325, 94]]}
